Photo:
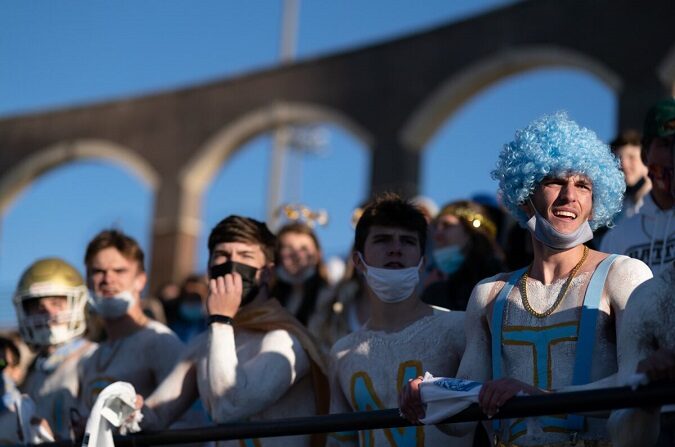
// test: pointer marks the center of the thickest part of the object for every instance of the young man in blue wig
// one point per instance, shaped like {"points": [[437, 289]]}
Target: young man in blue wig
{"points": [[552, 325]]}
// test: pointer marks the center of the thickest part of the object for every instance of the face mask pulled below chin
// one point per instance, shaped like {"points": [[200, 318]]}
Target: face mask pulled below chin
{"points": [[111, 307], [249, 284], [392, 285], [545, 233], [448, 259]]}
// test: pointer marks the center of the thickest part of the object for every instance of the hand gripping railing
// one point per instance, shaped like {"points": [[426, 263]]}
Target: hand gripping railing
{"points": [[556, 403]]}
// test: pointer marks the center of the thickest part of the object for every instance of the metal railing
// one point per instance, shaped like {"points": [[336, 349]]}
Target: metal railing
{"points": [[556, 403]]}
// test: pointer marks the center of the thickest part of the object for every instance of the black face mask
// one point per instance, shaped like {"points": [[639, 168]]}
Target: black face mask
{"points": [[250, 287]]}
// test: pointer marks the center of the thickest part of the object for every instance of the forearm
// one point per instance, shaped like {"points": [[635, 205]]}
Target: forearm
{"points": [[221, 374], [172, 398], [240, 387]]}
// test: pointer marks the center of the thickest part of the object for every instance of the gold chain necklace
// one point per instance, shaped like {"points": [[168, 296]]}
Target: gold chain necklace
{"points": [[561, 295]]}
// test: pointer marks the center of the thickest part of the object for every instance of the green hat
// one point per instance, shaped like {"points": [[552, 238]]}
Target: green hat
{"points": [[660, 120]]}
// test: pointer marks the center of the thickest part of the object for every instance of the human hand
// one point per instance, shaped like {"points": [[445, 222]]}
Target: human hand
{"points": [[224, 295], [660, 365], [495, 393], [410, 402]]}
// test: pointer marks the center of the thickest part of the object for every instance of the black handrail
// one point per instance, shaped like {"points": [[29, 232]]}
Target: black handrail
{"points": [[605, 399]]}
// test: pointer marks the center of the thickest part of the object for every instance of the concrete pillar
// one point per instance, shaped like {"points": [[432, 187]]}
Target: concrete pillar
{"points": [[636, 97], [394, 168], [175, 233]]}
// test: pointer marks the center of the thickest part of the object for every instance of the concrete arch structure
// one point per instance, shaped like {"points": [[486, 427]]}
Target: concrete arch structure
{"points": [[462, 86], [184, 212], [65, 152], [393, 95], [201, 169]]}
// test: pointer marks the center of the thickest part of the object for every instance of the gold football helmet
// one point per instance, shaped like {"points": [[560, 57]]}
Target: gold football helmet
{"points": [[50, 277]]}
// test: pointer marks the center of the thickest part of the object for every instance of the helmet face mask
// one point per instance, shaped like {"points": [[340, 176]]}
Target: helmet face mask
{"points": [[57, 279]]}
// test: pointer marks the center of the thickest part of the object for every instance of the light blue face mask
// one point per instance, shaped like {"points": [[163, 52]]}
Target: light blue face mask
{"points": [[191, 312], [545, 233], [448, 259]]}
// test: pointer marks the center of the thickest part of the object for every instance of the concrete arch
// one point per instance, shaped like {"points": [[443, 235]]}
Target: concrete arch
{"points": [[53, 156], [455, 91], [666, 71], [209, 158]]}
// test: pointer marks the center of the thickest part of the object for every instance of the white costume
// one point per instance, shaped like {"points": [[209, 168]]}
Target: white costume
{"points": [[642, 236], [52, 381], [368, 368], [143, 358], [543, 351], [9, 427], [243, 374], [53, 384], [648, 325]]}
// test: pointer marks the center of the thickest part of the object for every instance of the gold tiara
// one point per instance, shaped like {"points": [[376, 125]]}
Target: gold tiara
{"points": [[295, 212], [475, 220], [356, 215]]}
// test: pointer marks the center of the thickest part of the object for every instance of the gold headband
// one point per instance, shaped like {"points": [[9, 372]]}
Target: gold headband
{"points": [[476, 220], [294, 212]]}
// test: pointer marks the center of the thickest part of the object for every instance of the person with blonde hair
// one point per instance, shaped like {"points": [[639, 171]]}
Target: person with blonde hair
{"points": [[464, 252]]}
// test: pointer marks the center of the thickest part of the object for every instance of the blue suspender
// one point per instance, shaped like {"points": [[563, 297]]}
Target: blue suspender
{"points": [[586, 337], [586, 332], [497, 317]]}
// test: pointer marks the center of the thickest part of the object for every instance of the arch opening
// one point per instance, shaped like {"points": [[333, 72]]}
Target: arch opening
{"points": [[41, 220], [459, 158], [341, 165], [457, 90]]}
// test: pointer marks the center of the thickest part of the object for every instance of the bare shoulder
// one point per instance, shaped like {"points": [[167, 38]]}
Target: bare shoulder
{"points": [[627, 266], [485, 292], [654, 299], [624, 276]]}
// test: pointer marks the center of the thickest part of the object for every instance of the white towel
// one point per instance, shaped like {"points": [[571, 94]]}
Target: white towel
{"points": [[446, 396], [114, 407]]}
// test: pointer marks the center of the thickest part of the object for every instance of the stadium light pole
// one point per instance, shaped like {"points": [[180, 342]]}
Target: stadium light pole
{"points": [[281, 134]]}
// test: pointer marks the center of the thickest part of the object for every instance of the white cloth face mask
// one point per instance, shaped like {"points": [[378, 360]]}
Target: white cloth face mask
{"points": [[111, 307], [392, 285], [545, 233]]}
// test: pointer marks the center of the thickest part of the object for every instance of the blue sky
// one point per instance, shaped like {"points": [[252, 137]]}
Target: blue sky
{"points": [[60, 54]]}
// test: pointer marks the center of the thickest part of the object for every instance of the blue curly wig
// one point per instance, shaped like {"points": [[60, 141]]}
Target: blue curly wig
{"points": [[555, 145]]}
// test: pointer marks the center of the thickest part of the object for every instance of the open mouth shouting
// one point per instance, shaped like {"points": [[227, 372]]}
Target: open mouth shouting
{"points": [[565, 214]]}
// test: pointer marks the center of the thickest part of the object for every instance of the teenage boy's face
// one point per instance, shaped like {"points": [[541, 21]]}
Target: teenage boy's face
{"points": [[565, 201], [110, 273], [391, 248], [241, 252]]}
